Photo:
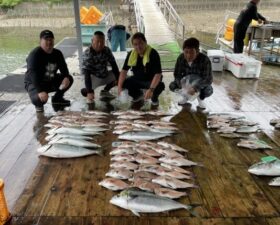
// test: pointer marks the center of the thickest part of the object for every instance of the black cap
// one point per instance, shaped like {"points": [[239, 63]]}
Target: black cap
{"points": [[46, 34]]}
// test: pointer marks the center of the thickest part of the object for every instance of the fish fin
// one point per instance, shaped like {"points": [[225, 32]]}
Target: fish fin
{"points": [[135, 213], [191, 208]]}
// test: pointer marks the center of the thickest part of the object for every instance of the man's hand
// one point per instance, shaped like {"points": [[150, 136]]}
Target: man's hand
{"points": [[43, 96], [148, 94], [90, 96], [191, 91], [65, 83]]}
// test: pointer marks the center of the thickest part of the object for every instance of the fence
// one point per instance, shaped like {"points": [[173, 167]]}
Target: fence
{"points": [[173, 19]]}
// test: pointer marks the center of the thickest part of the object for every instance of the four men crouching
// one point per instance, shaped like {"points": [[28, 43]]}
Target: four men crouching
{"points": [[193, 74]]}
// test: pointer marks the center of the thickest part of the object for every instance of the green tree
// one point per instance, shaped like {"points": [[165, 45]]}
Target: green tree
{"points": [[9, 3]]}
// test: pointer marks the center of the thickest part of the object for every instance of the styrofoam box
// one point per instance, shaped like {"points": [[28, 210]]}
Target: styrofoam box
{"points": [[217, 58], [242, 66]]}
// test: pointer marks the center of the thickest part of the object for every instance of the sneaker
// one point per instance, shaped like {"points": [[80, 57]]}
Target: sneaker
{"points": [[106, 94], [201, 104], [60, 101], [138, 99], [84, 92], [184, 101], [39, 109]]}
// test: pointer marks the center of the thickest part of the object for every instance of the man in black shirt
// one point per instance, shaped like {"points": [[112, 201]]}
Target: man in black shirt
{"points": [[244, 19], [41, 77], [144, 61], [193, 71], [96, 60]]}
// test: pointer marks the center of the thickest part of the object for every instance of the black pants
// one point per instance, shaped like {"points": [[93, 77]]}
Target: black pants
{"points": [[51, 87], [204, 92], [239, 35], [135, 86]]}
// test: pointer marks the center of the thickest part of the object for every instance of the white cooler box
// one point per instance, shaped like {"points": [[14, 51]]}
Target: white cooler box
{"points": [[217, 58], [243, 66]]}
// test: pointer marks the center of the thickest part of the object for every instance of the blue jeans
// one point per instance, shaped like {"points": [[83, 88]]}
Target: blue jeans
{"points": [[118, 38]]}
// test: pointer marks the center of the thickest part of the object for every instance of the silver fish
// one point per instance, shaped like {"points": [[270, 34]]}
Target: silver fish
{"points": [[178, 161], [143, 203], [253, 144], [65, 151], [120, 151], [75, 142], [275, 182], [169, 193], [123, 164], [77, 137], [120, 173], [172, 146], [271, 168], [247, 129], [173, 183], [141, 135], [232, 135], [74, 131], [177, 169], [113, 184]]}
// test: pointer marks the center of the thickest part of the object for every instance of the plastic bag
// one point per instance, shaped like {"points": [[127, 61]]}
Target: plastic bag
{"points": [[187, 83]]}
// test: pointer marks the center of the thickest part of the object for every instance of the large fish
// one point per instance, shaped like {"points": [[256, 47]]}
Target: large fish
{"points": [[75, 142], [253, 144], [142, 136], [143, 202], [271, 168], [177, 169], [275, 182], [65, 151]]}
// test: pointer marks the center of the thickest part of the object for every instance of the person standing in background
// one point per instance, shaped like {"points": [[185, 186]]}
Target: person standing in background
{"points": [[118, 36], [242, 23]]}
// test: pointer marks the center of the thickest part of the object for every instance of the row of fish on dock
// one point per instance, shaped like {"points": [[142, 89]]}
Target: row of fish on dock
{"points": [[237, 126], [72, 134], [148, 171]]}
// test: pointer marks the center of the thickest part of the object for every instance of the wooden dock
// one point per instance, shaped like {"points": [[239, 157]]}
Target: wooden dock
{"points": [[43, 191]]}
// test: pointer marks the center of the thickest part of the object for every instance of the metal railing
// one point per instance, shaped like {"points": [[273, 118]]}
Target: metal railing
{"points": [[139, 17], [173, 19]]}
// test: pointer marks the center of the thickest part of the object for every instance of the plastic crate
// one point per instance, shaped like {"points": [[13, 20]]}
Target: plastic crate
{"points": [[243, 66]]}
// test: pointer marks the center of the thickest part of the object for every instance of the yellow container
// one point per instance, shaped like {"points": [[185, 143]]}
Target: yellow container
{"points": [[228, 35], [93, 16], [83, 12], [230, 24], [4, 212]]}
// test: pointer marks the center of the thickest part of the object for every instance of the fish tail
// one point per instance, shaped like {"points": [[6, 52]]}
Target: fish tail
{"points": [[200, 164], [191, 208]]}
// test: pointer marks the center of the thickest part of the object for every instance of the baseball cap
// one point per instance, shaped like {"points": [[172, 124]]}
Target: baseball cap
{"points": [[46, 34]]}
